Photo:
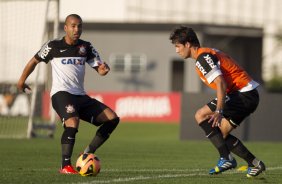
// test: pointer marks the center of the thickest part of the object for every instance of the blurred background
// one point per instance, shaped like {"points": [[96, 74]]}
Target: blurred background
{"points": [[148, 82]]}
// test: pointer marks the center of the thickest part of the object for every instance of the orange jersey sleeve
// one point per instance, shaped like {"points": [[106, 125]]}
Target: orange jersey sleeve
{"points": [[211, 63]]}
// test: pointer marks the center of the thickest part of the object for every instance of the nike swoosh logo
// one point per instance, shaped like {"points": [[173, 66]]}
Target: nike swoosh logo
{"points": [[63, 50], [235, 144], [209, 134], [213, 103], [71, 138], [67, 159]]}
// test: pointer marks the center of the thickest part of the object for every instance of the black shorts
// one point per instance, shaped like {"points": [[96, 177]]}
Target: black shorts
{"points": [[238, 105], [68, 105]]}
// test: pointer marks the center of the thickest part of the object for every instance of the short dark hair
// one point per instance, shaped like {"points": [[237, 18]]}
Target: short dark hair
{"points": [[183, 34], [73, 15]]}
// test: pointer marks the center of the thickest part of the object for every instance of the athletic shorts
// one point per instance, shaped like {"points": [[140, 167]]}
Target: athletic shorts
{"points": [[238, 105], [68, 105]]}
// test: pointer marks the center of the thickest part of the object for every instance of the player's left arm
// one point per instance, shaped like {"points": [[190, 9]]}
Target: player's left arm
{"points": [[220, 94], [95, 61]]}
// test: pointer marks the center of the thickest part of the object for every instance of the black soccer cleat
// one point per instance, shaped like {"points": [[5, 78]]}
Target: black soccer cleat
{"points": [[255, 171]]}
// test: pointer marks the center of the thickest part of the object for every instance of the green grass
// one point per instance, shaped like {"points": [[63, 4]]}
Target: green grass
{"points": [[13, 127], [135, 153]]}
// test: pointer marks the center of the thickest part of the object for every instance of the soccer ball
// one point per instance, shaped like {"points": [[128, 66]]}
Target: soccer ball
{"points": [[88, 164]]}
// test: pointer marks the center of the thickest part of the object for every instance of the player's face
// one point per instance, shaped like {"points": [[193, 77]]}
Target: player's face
{"points": [[73, 29], [183, 50]]}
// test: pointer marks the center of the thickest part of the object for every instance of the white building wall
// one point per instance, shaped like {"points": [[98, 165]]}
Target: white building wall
{"points": [[21, 36], [250, 13], [263, 14]]}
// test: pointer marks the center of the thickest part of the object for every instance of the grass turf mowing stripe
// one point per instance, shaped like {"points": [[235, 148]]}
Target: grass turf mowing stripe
{"points": [[195, 172], [149, 170]]}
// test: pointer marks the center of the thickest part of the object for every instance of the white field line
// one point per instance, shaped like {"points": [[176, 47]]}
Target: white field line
{"points": [[197, 172], [138, 178]]}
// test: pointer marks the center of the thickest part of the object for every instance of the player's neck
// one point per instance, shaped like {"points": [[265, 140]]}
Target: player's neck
{"points": [[194, 52], [70, 41]]}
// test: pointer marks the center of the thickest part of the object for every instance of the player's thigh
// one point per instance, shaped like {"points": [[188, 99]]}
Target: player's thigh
{"points": [[203, 114], [65, 104], [106, 115], [239, 106], [95, 112]]}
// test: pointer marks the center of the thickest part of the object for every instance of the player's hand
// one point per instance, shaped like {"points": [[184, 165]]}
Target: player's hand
{"points": [[24, 88], [103, 68], [215, 119]]}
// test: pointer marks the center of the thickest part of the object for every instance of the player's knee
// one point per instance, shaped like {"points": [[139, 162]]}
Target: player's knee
{"points": [[108, 127], [225, 128], [71, 122], [68, 136], [224, 135], [199, 116], [208, 129]]}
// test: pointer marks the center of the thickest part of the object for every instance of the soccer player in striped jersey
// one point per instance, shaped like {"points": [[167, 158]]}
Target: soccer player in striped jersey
{"points": [[236, 98], [68, 57]]}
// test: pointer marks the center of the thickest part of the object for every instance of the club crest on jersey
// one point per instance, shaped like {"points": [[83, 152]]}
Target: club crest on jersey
{"points": [[70, 109], [82, 50]]}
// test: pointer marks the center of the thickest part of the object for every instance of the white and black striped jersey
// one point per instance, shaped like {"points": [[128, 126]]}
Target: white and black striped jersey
{"points": [[68, 64]]}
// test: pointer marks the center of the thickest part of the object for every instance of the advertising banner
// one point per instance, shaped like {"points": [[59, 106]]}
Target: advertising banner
{"points": [[136, 107]]}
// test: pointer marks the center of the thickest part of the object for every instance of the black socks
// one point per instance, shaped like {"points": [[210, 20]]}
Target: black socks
{"points": [[237, 147], [67, 143], [102, 134], [215, 136]]}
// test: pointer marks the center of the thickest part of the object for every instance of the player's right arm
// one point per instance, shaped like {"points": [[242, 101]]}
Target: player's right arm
{"points": [[30, 66], [44, 54]]}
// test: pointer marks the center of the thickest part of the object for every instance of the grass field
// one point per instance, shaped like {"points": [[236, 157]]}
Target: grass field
{"points": [[135, 153]]}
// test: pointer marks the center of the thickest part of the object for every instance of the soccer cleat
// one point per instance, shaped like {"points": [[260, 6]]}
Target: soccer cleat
{"points": [[68, 169], [223, 165], [254, 171]]}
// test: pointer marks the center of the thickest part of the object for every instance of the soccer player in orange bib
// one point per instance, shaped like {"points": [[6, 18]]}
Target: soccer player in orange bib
{"points": [[236, 98]]}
